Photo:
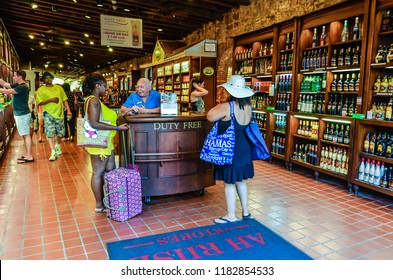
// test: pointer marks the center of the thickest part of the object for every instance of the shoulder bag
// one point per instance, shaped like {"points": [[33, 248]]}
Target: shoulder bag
{"points": [[219, 149], [259, 148], [87, 136]]}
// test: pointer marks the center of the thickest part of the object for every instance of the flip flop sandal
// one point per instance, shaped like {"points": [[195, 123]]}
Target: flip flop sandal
{"points": [[100, 210], [223, 220], [21, 158], [24, 161]]}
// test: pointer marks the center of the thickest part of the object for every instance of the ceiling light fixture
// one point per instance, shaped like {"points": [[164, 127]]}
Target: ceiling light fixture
{"points": [[91, 43], [127, 9], [159, 29], [87, 15], [31, 36], [34, 5], [67, 42], [114, 7], [86, 35], [100, 3]]}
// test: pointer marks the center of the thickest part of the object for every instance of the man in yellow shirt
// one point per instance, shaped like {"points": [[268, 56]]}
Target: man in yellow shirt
{"points": [[53, 99]]}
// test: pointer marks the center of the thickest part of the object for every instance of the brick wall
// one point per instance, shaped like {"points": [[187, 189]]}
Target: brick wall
{"points": [[259, 14]]}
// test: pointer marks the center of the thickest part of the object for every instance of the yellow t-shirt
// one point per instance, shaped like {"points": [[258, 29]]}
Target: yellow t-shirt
{"points": [[110, 116], [54, 109]]}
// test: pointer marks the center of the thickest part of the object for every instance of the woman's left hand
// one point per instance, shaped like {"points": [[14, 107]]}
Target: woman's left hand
{"points": [[123, 127]]}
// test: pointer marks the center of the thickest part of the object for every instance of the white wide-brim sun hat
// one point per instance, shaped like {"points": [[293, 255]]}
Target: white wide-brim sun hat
{"points": [[236, 86]]}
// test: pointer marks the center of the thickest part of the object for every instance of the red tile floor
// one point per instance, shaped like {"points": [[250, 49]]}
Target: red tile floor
{"points": [[47, 211]]}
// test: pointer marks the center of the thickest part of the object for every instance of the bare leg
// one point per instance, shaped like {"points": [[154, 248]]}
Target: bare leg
{"points": [[27, 139], [40, 128], [51, 143], [97, 179], [230, 194], [242, 191]]}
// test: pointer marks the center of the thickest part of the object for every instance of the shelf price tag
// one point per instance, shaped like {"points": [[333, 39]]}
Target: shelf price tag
{"points": [[358, 116]]}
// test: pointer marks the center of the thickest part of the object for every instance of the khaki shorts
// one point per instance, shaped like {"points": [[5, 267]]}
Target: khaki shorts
{"points": [[23, 124]]}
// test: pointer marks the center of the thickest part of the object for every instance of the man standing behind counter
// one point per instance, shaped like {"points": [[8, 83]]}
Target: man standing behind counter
{"points": [[144, 100]]}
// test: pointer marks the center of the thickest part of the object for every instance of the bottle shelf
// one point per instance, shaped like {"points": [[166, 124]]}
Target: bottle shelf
{"points": [[327, 142], [306, 137], [374, 187], [376, 157]]}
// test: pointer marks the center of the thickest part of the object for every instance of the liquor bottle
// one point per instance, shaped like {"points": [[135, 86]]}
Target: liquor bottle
{"points": [[377, 174], [323, 83], [340, 138], [340, 106], [322, 40], [315, 39], [346, 83], [352, 83], [326, 133], [341, 57], [340, 83], [372, 143], [377, 84], [348, 57], [389, 110], [335, 134], [366, 143], [390, 178], [389, 56], [334, 105], [371, 173], [356, 56], [347, 135], [361, 170], [345, 32], [294, 156], [389, 146], [357, 83], [383, 86], [367, 170], [334, 59], [378, 144], [386, 22], [379, 57], [390, 84], [356, 30], [384, 179], [333, 85], [288, 42]]}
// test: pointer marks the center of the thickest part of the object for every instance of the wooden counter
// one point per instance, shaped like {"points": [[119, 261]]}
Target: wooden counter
{"points": [[167, 152]]}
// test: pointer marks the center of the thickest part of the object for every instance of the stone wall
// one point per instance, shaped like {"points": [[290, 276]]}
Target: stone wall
{"points": [[259, 14]]}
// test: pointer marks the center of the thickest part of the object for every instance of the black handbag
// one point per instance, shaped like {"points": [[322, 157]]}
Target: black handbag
{"points": [[259, 148]]}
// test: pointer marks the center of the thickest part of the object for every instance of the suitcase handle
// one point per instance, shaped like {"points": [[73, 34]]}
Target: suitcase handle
{"points": [[122, 208]]}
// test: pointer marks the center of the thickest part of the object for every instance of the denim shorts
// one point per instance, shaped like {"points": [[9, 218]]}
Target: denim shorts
{"points": [[23, 124], [53, 126]]}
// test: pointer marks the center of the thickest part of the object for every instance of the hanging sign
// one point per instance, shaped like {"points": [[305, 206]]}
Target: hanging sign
{"points": [[121, 32]]}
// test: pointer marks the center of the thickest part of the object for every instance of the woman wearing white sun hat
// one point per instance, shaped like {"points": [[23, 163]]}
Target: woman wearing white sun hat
{"points": [[241, 169]]}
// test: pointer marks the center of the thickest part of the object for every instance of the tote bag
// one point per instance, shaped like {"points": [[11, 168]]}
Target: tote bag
{"points": [[259, 148], [87, 136], [219, 149]]}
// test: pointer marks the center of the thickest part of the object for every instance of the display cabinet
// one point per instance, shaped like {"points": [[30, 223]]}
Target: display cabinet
{"points": [[372, 166]]}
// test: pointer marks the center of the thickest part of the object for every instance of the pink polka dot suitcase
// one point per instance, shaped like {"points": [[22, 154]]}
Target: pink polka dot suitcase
{"points": [[123, 197], [123, 189]]}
